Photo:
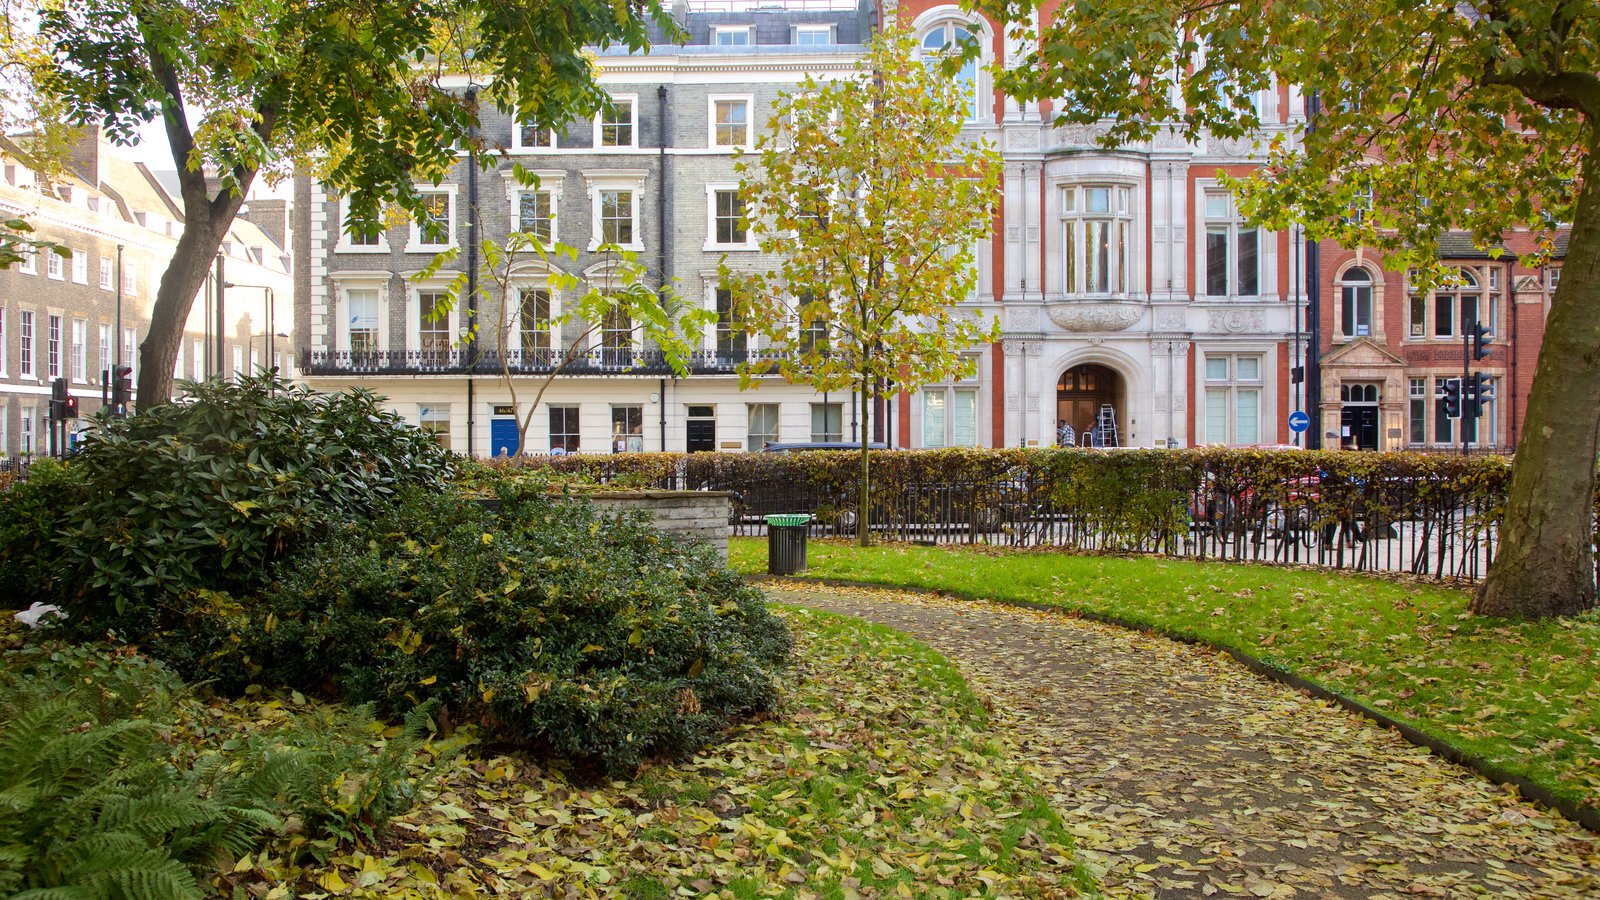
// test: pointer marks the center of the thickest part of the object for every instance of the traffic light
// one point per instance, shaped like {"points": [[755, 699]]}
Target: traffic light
{"points": [[1451, 398], [1480, 340], [69, 408], [121, 389], [1480, 390], [58, 400]]}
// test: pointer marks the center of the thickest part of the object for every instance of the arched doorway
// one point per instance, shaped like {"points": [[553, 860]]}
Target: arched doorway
{"points": [[1081, 395]]}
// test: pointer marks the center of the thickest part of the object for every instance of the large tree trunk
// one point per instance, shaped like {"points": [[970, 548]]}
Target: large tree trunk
{"points": [[1546, 561], [191, 262]]}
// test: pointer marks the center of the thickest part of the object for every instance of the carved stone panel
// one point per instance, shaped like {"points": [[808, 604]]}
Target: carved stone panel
{"points": [[1237, 321], [1095, 316]]}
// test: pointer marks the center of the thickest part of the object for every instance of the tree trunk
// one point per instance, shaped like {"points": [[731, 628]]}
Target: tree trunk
{"points": [[1546, 562], [864, 501], [191, 262]]}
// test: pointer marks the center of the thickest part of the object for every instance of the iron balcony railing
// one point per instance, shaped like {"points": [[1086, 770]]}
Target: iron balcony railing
{"points": [[522, 362]]}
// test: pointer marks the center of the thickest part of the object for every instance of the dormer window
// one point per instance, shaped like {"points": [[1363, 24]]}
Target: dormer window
{"points": [[733, 36], [813, 35]]}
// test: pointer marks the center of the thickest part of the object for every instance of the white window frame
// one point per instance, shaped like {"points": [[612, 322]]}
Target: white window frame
{"points": [[616, 180], [345, 246], [1072, 203], [415, 244], [1234, 227], [829, 29], [108, 275], [238, 363], [106, 339], [53, 338], [55, 268], [430, 414], [749, 242], [343, 285], [28, 343], [749, 121], [1552, 278], [1374, 298], [514, 320], [519, 146], [28, 264], [130, 279], [79, 349], [633, 124], [750, 436], [80, 267], [548, 182], [130, 350], [949, 19], [826, 436], [718, 31], [1231, 385], [197, 359], [26, 440], [414, 292], [949, 394]]}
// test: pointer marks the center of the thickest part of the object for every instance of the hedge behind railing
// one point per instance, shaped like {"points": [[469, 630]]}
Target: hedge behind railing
{"points": [[1420, 512]]}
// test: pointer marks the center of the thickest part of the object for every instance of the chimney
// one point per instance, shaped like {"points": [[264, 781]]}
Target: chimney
{"points": [[87, 156]]}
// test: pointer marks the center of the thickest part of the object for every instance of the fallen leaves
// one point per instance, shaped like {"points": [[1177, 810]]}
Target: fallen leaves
{"points": [[1181, 773], [882, 777]]}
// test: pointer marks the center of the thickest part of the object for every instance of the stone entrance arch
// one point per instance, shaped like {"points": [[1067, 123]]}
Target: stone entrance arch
{"points": [[1081, 392]]}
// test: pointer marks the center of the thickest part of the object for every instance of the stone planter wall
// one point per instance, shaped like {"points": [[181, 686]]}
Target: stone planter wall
{"points": [[689, 515]]}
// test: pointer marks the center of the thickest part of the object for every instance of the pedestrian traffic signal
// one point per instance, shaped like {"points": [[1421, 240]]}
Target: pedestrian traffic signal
{"points": [[1480, 390], [1480, 340], [69, 408], [121, 389], [1451, 398]]}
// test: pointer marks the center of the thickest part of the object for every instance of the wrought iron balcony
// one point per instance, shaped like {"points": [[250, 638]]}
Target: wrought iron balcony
{"points": [[521, 362]]}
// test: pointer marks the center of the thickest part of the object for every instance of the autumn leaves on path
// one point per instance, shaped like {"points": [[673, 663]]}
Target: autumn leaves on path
{"points": [[1184, 775]]}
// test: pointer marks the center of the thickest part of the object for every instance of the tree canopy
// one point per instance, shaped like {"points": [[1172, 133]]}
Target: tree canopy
{"points": [[872, 202], [368, 93], [1428, 116]]}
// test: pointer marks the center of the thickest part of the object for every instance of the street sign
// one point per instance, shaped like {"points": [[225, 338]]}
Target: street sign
{"points": [[1299, 421]]}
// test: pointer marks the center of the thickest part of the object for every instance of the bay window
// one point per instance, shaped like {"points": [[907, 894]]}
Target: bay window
{"points": [[1097, 221]]}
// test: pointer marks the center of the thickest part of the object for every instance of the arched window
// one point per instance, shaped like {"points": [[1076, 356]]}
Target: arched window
{"points": [[946, 38], [1355, 303]]}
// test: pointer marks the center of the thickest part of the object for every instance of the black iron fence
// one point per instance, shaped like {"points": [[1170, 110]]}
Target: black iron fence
{"points": [[1423, 514]]}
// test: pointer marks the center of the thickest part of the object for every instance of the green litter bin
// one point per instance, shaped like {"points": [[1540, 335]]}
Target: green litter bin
{"points": [[786, 543]]}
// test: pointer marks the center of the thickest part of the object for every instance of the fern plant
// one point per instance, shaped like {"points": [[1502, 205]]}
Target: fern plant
{"points": [[92, 810]]}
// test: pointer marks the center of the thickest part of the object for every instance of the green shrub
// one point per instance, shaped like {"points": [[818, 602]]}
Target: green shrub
{"points": [[561, 630], [185, 507], [31, 513]]}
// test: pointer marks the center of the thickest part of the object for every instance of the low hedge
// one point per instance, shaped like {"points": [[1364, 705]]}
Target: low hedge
{"points": [[1132, 499]]}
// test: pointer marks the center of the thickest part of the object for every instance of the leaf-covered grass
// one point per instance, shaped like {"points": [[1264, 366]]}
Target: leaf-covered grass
{"points": [[1523, 695], [882, 775]]}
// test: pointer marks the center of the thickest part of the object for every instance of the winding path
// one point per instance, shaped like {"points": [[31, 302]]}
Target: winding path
{"points": [[1183, 774]]}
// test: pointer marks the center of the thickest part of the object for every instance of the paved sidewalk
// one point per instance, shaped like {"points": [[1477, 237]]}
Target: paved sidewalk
{"points": [[1185, 775]]}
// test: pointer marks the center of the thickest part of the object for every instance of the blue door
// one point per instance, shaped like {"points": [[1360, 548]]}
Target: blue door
{"points": [[503, 437]]}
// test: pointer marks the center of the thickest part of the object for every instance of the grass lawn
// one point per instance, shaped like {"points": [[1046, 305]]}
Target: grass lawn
{"points": [[882, 776], [1525, 696]]}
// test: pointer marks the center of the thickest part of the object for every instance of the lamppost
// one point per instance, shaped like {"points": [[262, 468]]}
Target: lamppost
{"points": [[272, 317]]}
